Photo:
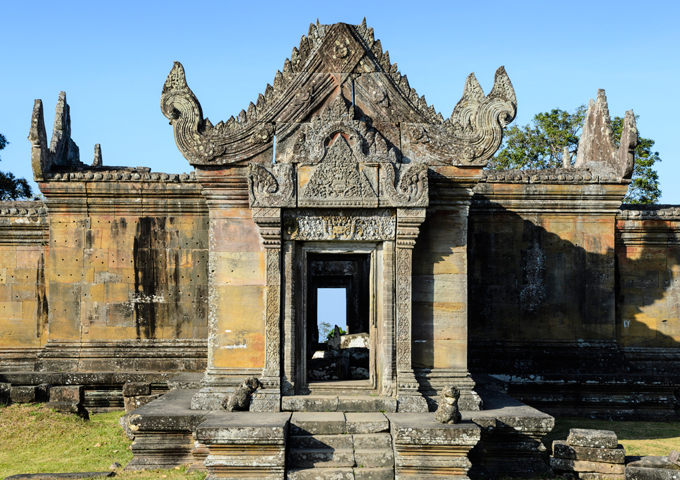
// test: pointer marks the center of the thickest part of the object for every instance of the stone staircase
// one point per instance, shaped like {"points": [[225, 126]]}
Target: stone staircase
{"points": [[339, 445]]}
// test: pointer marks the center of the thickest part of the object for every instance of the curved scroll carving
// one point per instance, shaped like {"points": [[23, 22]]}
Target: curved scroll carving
{"points": [[410, 190], [271, 190], [197, 139], [474, 131]]}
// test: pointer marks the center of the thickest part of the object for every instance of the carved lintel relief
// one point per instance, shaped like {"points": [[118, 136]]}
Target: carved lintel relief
{"points": [[269, 222], [344, 225], [267, 189]]}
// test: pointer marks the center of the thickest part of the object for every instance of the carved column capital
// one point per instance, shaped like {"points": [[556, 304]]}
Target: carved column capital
{"points": [[269, 222], [408, 226]]}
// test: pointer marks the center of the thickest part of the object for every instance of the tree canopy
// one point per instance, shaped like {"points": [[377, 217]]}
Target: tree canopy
{"points": [[12, 188], [550, 135]]}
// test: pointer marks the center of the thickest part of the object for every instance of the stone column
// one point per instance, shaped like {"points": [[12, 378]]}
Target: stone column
{"points": [[268, 399], [408, 223]]}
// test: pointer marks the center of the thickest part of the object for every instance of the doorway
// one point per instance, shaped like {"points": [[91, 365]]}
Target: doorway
{"points": [[338, 318]]}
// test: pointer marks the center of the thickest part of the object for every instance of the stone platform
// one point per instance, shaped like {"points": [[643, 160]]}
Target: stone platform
{"points": [[504, 439]]}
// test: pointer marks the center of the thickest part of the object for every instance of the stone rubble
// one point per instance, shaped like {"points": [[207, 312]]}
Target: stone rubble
{"points": [[590, 454]]}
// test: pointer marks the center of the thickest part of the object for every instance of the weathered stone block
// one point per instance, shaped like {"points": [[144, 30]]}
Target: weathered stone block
{"points": [[23, 394], [384, 473], [135, 389], [580, 437], [68, 394], [366, 423], [330, 423], [583, 466], [606, 455]]}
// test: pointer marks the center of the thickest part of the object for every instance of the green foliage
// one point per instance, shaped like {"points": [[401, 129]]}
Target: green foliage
{"points": [[331, 334], [12, 188], [542, 143]]}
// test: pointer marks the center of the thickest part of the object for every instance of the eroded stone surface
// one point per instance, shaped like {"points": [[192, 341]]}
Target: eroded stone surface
{"points": [[580, 437]]}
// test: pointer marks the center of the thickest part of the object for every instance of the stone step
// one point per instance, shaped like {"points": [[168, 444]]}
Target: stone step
{"points": [[336, 423], [374, 458], [305, 423], [323, 474], [320, 458], [320, 442], [341, 474], [366, 423], [385, 473], [335, 403], [376, 441]]}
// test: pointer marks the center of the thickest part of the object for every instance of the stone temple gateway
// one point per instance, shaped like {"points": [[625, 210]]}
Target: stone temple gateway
{"points": [[341, 175]]}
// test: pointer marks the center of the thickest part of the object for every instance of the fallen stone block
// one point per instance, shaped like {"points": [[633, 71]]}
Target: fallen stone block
{"points": [[580, 437], [583, 466], [23, 394], [67, 394], [642, 473], [136, 389], [604, 455], [652, 468], [133, 403]]}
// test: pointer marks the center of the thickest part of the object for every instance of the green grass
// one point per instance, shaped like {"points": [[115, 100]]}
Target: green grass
{"points": [[638, 438], [36, 439]]}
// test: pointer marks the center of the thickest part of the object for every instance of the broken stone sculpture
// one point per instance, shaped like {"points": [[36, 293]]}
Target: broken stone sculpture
{"points": [[447, 412], [240, 400]]}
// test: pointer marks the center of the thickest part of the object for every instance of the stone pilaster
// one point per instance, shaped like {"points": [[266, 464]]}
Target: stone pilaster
{"points": [[269, 398], [408, 223]]}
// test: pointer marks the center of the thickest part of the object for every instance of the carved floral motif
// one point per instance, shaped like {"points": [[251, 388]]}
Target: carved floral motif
{"points": [[411, 189]]}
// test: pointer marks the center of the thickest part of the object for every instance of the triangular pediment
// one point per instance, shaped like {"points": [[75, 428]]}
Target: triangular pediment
{"points": [[331, 61]]}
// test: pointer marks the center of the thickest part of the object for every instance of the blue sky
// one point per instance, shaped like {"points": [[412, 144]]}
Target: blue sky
{"points": [[112, 58]]}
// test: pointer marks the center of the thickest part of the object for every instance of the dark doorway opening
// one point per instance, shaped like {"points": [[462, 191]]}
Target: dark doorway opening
{"points": [[338, 348]]}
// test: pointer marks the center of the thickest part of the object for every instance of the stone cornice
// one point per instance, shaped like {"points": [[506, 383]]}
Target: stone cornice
{"points": [[551, 176]]}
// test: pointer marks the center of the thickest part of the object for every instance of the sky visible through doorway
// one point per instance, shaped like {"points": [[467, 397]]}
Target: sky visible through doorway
{"points": [[331, 308]]}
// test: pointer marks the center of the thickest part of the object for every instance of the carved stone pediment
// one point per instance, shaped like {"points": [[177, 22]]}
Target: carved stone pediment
{"points": [[338, 162], [332, 61], [339, 180]]}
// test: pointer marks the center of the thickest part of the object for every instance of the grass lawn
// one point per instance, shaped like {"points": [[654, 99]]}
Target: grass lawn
{"points": [[38, 440]]}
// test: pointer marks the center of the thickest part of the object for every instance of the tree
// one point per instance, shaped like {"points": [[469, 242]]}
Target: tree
{"points": [[12, 188], [550, 135]]}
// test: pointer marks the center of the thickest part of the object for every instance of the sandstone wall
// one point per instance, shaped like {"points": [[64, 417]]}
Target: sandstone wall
{"points": [[648, 273], [564, 282], [119, 280], [23, 289]]}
